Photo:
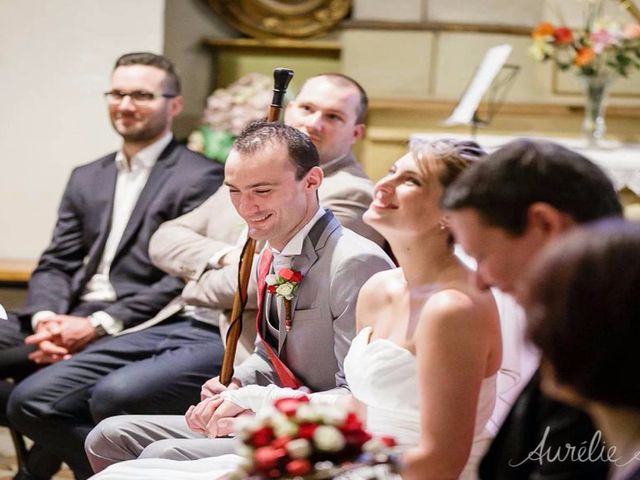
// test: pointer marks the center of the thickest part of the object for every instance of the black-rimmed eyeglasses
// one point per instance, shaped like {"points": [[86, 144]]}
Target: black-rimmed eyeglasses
{"points": [[138, 97]]}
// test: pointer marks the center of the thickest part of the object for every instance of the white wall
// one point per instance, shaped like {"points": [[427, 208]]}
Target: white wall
{"points": [[186, 23], [55, 62]]}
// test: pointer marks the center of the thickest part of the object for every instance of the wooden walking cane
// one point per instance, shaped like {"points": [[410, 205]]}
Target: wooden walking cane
{"points": [[281, 79]]}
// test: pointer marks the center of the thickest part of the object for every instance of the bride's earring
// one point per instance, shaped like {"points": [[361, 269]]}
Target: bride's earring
{"points": [[442, 224]]}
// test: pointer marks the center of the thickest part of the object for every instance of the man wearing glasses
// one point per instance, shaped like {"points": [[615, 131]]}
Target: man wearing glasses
{"points": [[95, 278]]}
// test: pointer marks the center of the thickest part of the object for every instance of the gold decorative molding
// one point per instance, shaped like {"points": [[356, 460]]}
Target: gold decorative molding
{"points": [[282, 18], [437, 27], [276, 44], [444, 108]]}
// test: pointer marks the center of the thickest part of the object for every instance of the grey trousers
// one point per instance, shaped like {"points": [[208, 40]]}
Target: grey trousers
{"points": [[127, 437]]}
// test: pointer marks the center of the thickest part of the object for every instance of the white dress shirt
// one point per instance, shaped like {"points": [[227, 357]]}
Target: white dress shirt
{"points": [[283, 259], [131, 178], [293, 248]]}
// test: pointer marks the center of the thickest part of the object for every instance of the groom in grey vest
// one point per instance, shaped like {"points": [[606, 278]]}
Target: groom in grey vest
{"points": [[273, 176]]}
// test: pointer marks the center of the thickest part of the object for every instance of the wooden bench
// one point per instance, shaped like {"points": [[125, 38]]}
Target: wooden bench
{"points": [[16, 271]]}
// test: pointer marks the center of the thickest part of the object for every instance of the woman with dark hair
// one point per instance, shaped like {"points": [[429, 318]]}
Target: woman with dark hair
{"points": [[583, 312]]}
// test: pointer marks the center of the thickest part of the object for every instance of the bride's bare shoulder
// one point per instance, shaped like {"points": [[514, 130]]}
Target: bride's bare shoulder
{"points": [[384, 285], [458, 308]]}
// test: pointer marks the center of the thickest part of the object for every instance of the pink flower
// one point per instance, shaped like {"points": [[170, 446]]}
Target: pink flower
{"points": [[266, 458], [281, 442], [631, 31], [601, 39], [298, 467], [289, 406]]}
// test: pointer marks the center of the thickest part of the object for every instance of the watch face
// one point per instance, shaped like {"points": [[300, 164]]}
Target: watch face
{"points": [[99, 331]]}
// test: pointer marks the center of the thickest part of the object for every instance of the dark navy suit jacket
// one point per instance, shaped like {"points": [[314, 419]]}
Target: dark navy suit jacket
{"points": [[179, 181], [536, 425]]}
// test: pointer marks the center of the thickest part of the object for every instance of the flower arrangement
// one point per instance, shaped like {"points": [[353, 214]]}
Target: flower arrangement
{"points": [[228, 111], [284, 284], [600, 47], [298, 439], [598, 52]]}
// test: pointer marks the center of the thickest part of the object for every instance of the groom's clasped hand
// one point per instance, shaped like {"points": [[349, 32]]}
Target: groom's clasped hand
{"points": [[214, 416]]}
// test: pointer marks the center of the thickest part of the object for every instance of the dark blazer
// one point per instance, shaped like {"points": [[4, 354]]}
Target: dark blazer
{"points": [[513, 453], [634, 475], [178, 182]]}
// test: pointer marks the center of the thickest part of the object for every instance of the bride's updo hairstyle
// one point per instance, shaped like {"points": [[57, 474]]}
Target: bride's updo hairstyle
{"points": [[583, 311], [446, 158]]}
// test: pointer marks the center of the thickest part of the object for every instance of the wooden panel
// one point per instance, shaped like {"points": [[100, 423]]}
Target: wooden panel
{"points": [[15, 270], [237, 57], [392, 121]]}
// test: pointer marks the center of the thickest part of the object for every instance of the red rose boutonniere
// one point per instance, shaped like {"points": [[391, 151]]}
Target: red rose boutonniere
{"points": [[284, 284]]}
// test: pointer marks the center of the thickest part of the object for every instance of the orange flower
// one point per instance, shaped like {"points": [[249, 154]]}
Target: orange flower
{"points": [[544, 29], [583, 56]]}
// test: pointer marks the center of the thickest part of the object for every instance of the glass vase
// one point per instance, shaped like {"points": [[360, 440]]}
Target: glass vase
{"points": [[596, 90]]}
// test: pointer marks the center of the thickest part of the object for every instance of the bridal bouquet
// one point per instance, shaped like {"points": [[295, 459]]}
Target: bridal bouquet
{"points": [[297, 439], [599, 47]]}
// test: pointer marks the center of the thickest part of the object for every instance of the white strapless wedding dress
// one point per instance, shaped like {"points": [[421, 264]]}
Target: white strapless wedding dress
{"points": [[382, 375]]}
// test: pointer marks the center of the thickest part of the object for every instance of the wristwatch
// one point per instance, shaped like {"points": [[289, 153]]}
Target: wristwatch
{"points": [[98, 328]]}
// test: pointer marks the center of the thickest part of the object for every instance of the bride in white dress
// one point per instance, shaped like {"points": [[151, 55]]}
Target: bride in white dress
{"points": [[423, 365]]}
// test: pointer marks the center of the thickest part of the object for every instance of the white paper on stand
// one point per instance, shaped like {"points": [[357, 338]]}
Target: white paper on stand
{"points": [[493, 61]]}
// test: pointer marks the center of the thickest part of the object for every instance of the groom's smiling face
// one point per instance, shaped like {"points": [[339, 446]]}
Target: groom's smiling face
{"points": [[266, 194]]}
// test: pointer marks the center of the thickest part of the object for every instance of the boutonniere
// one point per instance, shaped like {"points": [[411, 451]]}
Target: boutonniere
{"points": [[284, 284]]}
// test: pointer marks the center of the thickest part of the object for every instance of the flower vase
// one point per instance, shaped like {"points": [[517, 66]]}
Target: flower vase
{"points": [[596, 89]]}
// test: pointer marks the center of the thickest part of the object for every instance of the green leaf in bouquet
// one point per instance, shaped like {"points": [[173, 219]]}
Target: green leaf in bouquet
{"points": [[217, 145]]}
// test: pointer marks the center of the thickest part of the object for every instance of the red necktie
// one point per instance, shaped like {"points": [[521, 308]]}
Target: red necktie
{"points": [[286, 376]]}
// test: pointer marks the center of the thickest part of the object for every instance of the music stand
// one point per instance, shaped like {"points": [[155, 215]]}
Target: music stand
{"points": [[493, 78]]}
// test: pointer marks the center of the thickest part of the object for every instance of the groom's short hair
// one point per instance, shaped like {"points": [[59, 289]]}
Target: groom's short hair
{"points": [[302, 152]]}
